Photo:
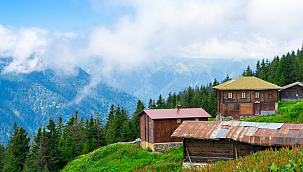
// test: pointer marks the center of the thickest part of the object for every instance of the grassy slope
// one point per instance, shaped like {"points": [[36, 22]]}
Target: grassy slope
{"points": [[119, 157], [290, 112], [125, 157]]}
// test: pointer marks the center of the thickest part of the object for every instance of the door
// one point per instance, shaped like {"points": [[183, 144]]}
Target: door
{"points": [[257, 108]]}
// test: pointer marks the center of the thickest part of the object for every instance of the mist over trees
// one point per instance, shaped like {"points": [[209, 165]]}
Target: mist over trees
{"points": [[58, 143]]}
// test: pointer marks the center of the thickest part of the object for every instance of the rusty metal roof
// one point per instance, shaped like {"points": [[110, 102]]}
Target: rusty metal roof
{"points": [[175, 113], [265, 134], [246, 83], [291, 85]]}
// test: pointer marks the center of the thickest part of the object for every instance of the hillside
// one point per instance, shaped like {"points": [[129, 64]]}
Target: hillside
{"points": [[289, 112], [31, 99], [117, 157], [125, 157]]}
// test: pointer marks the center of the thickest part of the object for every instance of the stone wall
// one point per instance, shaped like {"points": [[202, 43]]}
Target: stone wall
{"points": [[161, 147]]}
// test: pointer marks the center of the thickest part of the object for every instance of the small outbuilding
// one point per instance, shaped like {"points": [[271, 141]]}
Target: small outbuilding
{"points": [[157, 126], [291, 92], [212, 141]]}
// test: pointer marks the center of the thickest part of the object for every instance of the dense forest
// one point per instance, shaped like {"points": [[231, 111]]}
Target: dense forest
{"points": [[56, 144], [280, 71]]}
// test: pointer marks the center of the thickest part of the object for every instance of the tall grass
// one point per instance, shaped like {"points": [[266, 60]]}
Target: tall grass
{"points": [[125, 157], [269, 160], [290, 112]]}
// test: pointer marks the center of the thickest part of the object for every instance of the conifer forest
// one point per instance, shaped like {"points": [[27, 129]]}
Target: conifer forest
{"points": [[58, 143]]}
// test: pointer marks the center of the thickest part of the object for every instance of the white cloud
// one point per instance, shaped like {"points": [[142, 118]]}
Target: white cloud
{"points": [[35, 49], [154, 30], [197, 29]]}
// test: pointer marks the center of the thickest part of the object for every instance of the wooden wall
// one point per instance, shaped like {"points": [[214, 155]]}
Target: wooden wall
{"points": [[202, 151], [289, 94], [164, 128], [248, 106], [160, 130]]}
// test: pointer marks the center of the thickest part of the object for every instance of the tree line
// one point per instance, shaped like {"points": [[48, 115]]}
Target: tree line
{"points": [[198, 97], [56, 144], [281, 70]]}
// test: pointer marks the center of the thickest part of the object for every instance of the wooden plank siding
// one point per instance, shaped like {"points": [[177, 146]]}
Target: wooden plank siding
{"points": [[245, 106], [290, 94], [160, 130], [204, 151]]}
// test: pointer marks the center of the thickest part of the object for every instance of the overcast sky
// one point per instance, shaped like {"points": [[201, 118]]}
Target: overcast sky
{"points": [[125, 34]]}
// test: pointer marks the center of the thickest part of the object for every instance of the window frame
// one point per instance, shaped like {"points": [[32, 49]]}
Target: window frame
{"points": [[270, 95], [243, 95], [196, 119], [257, 95], [230, 95], [178, 120]]}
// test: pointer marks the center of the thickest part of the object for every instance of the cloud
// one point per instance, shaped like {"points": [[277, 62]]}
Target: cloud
{"points": [[35, 49], [150, 31], [231, 29]]}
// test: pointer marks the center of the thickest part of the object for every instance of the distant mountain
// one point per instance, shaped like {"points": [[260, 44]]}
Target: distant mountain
{"points": [[173, 75], [31, 99]]}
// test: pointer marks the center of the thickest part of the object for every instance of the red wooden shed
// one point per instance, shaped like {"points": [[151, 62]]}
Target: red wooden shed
{"points": [[157, 125]]}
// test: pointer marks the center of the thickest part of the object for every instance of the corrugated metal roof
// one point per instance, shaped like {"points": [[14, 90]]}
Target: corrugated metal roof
{"points": [[265, 134], [291, 85], [246, 83], [175, 113]]}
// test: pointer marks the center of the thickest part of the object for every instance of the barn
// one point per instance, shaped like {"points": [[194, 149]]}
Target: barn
{"points": [[212, 141], [291, 92], [245, 97], [157, 125]]}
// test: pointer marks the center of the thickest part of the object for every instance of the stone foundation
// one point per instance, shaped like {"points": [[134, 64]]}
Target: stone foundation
{"points": [[161, 147]]}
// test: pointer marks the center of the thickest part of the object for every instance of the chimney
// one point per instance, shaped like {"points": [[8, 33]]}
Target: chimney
{"points": [[178, 107]]}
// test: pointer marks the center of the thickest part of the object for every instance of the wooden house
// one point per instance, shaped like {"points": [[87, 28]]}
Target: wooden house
{"points": [[157, 125], [211, 141], [246, 96], [291, 92]]}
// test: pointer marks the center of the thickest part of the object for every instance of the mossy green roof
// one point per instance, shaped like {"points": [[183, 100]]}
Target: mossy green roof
{"points": [[246, 83]]}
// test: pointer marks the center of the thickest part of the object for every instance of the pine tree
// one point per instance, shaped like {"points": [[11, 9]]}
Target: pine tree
{"points": [[52, 142], [90, 142], [160, 102], [227, 78], [2, 156], [99, 125], [17, 149], [126, 134], [109, 130], [40, 149], [135, 119]]}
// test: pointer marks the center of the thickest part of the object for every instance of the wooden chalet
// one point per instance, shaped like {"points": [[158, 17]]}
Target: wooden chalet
{"points": [[157, 125], [291, 92], [246, 97], [211, 141]]}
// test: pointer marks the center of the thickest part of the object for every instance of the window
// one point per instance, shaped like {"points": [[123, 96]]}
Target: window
{"points": [[269, 94], [231, 107], [257, 95], [178, 120], [236, 106], [226, 109], [196, 119], [230, 95], [243, 95]]}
